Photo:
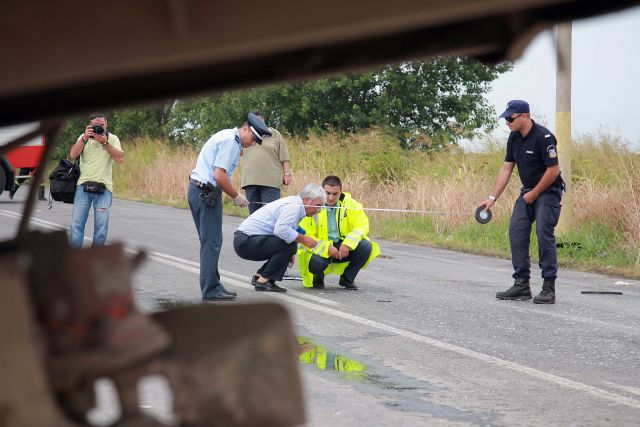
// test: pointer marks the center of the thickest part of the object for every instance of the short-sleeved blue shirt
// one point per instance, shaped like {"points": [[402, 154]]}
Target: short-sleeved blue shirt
{"points": [[533, 154], [222, 150]]}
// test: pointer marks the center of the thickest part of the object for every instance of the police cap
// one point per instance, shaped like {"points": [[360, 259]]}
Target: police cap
{"points": [[258, 128], [515, 106]]}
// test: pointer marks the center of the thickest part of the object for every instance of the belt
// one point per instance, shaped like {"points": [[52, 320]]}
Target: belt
{"points": [[199, 184]]}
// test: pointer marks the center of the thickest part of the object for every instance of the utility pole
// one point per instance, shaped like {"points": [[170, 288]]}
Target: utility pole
{"points": [[563, 119]]}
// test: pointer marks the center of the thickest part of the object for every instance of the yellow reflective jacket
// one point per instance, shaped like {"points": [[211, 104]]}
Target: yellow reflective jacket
{"points": [[353, 226]]}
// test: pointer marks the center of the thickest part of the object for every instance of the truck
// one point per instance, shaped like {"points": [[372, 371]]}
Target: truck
{"points": [[20, 163]]}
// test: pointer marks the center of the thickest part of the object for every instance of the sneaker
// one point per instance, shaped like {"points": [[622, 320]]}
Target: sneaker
{"points": [[270, 286], [520, 291], [548, 293]]}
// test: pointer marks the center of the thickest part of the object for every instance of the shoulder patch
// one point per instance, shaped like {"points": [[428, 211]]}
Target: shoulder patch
{"points": [[551, 152]]}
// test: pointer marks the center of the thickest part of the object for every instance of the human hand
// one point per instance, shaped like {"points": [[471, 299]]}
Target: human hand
{"points": [[487, 204], [308, 241], [286, 179], [240, 201], [530, 197], [344, 251], [88, 133], [334, 253]]}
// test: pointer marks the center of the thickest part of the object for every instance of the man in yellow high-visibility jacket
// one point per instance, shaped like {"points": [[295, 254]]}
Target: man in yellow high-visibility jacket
{"points": [[343, 247]]}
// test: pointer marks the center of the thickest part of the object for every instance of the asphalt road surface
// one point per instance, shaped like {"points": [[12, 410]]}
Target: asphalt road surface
{"points": [[432, 344]]}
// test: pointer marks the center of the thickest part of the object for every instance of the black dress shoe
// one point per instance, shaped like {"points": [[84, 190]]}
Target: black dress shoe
{"points": [[254, 280], [228, 292], [218, 295], [269, 287], [347, 285]]}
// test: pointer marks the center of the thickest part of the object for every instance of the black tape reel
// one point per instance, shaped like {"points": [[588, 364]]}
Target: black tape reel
{"points": [[483, 217]]}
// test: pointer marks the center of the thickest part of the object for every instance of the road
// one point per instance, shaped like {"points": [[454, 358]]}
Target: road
{"points": [[436, 347]]}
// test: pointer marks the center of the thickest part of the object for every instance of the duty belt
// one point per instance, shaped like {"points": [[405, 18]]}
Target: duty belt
{"points": [[199, 184]]}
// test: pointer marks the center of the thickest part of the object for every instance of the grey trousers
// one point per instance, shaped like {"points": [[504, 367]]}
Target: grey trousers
{"points": [[258, 195]]}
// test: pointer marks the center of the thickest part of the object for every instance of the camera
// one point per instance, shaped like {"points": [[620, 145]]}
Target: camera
{"points": [[98, 130]]}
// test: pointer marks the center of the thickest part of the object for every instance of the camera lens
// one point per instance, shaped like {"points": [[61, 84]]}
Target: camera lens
{"points": [[98, 130]]}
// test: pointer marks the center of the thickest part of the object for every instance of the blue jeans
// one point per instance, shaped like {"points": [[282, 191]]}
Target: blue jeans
{"points": [[208, 221], [81, 205]]}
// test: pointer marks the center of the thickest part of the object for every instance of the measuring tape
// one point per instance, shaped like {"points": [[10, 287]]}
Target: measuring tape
{"points": [[481, 217]]}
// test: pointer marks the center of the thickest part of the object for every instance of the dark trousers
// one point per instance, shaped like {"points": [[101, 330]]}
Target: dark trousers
{"points": [[258, 195], [208, 221], [276, 251], [545, 211], [357, 258]]}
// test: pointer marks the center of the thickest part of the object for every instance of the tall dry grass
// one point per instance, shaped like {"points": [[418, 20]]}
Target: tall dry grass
{"points": [[448, 185]]}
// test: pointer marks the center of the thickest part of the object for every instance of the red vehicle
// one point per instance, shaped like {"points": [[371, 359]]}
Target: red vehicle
{"points": [[19, 164]]}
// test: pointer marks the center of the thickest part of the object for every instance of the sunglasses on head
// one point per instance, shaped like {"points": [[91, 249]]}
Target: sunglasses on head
{"points": [[511, 119]]}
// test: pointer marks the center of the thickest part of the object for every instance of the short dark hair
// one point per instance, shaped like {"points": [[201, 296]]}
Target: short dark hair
{"points": [[258, 112], [332, 181], [97, 115]]}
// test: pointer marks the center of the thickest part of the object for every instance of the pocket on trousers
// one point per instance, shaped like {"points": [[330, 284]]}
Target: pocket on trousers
{"points": [[553, 215]]}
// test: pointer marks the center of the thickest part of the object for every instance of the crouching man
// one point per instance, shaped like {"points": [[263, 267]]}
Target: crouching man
{"points": [[343, 247], [270, 234]]}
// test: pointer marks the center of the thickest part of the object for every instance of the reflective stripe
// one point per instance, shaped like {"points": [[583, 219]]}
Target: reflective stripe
{"points": [[356, 232], [353, 240], [319, 249]]}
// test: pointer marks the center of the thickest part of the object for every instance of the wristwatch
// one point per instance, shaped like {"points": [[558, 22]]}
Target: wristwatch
{"points": [[492, 198]]}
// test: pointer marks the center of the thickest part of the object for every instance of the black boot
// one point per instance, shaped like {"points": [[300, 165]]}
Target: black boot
{"points": [[318, 281], [548, 293], [520, 291]]}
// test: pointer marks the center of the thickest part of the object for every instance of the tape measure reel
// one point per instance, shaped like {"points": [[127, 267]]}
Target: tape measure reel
{"points": [[481, 216]]}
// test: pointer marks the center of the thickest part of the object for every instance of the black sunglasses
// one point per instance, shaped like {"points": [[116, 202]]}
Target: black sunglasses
{"points": [[511, 119]]}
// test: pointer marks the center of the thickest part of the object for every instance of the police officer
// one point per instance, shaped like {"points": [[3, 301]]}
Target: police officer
{"points": [[216, 162], [533, 148]]}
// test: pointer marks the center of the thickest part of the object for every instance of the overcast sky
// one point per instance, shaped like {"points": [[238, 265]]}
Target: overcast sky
{"points": [[605, 78]]}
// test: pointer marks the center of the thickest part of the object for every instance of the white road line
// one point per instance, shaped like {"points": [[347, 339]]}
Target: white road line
{"points": [[229, 276], [495, 361]]}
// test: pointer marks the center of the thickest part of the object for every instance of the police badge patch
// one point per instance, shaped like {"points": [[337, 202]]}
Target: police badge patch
{"points": [[551, 151]]}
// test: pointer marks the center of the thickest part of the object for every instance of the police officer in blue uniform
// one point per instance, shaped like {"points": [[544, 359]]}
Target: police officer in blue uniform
{"points": [[533, 148], [216, 162]]}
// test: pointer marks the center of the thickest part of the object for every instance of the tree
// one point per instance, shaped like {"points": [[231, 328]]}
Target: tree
{"points": [[426, 104]]}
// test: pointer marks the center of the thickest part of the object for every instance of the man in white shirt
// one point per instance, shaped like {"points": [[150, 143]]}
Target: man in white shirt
{"points": [[271, 234]]}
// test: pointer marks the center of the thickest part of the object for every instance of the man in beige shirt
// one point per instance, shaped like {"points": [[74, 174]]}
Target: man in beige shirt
{"points": [[264, 168]]}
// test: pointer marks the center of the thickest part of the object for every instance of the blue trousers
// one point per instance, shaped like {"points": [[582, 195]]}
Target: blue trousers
{"points": [[82, 202], [208, 221], [545, 212], [357, 258], [257, 195]]}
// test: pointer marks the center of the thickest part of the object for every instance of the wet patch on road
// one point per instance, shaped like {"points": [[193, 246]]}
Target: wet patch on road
{"points": [[400, 393]]}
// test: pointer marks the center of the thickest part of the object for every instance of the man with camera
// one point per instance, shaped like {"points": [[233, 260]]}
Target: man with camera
{"points": [[97, 149], [216, 162]]}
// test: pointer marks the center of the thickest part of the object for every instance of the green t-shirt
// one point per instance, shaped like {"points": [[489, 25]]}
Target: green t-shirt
{"points": [[96, 164], [262, 164]]}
